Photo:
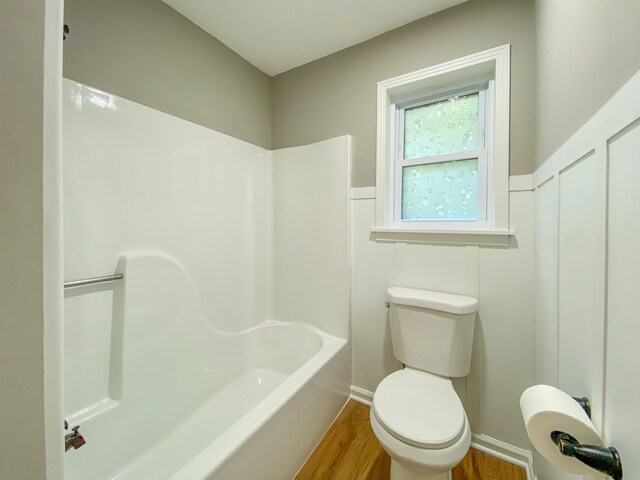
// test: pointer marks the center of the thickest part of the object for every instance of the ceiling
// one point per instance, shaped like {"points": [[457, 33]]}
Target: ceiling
{"points": [[277, 35]]}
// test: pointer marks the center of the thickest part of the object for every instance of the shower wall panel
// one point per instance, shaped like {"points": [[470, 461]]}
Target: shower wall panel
{"points": [[311, 235], [136, 179]]}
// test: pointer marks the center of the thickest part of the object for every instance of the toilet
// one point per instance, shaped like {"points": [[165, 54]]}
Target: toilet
{"points": [[416, 414]]}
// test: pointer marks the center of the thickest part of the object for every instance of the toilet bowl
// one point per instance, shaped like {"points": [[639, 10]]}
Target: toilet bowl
{"points": [[421, 423], [416, 414]]}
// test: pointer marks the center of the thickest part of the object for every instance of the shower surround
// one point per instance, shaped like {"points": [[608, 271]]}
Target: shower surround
{"points": [[226, 343]]}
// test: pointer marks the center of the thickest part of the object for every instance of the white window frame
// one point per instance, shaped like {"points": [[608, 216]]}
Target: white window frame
{"points": [[490, 67], [484, 92]]}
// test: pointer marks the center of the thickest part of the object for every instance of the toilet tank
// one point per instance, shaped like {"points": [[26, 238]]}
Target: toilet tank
{"points": [[432, 331]]}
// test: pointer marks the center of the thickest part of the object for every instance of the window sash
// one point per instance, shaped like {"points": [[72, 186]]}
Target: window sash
{"points": [[480, 154], [481, 133]]}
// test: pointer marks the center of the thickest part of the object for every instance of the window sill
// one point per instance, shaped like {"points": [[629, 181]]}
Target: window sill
{"points": [[491, 238]]}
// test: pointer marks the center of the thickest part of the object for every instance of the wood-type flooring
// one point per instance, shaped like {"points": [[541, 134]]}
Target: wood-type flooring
{"points": [[351, 451]]}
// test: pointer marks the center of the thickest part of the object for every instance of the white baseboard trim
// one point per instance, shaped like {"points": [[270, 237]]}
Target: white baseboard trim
{"points": [[504, 451], [361, 395]]}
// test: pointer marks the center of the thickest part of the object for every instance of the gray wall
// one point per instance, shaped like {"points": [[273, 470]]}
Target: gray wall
{"points": [[145, 51], [22, 452], [336, 95], [587, 49]]}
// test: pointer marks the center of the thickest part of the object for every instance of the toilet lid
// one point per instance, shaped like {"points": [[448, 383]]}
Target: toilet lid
{"points": [[420, 409]]}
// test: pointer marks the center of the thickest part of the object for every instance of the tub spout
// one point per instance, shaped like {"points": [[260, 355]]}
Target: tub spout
{"points": [[74, 439]]}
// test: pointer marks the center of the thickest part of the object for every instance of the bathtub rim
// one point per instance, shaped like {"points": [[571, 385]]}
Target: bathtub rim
{"points": [[208, 460]]}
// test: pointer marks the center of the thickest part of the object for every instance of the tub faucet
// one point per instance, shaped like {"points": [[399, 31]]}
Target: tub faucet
{"points": [[74, 439]]}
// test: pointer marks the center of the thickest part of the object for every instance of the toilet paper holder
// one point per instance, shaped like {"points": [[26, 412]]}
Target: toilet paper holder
{"points": [[585, 404], [605, 460]]}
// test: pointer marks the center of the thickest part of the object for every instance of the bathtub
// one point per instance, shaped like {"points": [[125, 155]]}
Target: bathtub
{"points": [[188, 402]]}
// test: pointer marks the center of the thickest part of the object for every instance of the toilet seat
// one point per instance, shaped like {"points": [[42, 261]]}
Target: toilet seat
{"points": [[428, 461], [420, 409]]}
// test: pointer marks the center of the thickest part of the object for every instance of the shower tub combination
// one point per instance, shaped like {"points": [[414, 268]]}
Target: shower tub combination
{"points": [[188, 402], [222, 353]]}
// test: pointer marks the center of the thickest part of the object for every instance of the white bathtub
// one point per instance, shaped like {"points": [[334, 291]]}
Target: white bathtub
{"points": [[188, 402], [158, 388], [274, 438]]}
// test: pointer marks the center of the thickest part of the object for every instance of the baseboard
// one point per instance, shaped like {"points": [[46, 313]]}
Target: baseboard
{"points": [[361, 395], [504, 451]]}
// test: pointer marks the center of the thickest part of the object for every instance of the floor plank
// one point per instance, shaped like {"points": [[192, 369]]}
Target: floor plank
{"points": [[348, 451], [480, 466], [351, 451]]}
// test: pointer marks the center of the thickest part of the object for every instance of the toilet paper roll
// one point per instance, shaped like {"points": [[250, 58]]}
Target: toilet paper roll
{"points": [[546, 409]]}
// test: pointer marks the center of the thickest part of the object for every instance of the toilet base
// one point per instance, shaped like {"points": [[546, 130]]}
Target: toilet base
{"points": [[400, 472]]}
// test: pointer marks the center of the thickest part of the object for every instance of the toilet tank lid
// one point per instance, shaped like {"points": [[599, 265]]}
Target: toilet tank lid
{"points": [[442, 302]]}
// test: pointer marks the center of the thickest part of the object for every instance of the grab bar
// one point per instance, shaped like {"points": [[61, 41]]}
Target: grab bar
{"points": [[93, 281]]}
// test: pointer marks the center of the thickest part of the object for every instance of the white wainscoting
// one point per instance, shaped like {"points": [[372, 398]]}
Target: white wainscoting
{"points": [[502, 278], [621, 420], [588, 270]]}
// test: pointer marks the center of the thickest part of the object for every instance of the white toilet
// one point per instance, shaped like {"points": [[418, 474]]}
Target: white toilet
{"points": [[416, 414]]}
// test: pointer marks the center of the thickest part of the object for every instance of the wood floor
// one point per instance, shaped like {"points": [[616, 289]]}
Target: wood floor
{"points": [[350, 451]]}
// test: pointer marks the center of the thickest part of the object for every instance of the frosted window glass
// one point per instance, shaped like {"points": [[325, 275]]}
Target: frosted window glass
{"points": [[441, 191], [443, 127]]}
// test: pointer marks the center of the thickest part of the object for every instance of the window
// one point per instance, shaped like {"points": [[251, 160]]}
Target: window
{"points": [[441, 161], [443, 147]]}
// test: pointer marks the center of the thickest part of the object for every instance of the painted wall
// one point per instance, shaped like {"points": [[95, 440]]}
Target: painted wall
{"points": [[149, 53], [336, 95], [145, 51], [587, 233], [504, 361], [587, 49], [21, 334], [30, 292]]}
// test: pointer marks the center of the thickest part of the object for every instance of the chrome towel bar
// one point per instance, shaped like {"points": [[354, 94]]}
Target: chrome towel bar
{"points": [[93, 281]]}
